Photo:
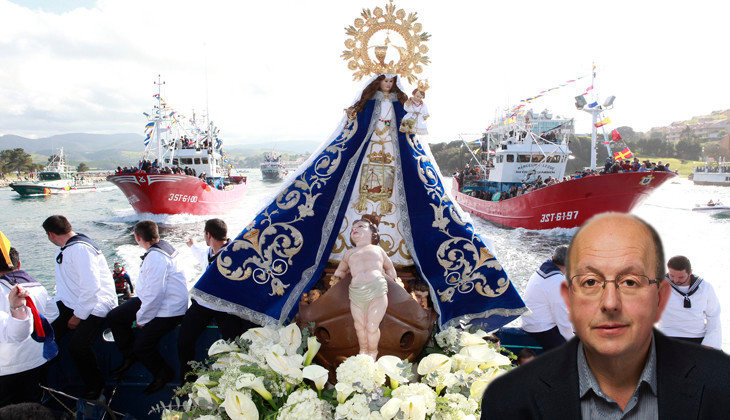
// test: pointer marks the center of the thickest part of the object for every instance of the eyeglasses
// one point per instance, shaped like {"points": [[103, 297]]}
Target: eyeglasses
{"points": [[591, 285]]}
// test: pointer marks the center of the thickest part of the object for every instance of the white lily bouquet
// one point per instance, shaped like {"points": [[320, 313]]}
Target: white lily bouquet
{"points": [[268, 373]]}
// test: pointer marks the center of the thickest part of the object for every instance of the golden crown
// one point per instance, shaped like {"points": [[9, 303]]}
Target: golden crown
{"points": [[412, 56], [423, 85]]}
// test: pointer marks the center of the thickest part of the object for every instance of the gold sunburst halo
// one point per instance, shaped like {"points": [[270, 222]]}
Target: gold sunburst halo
{"points": [[412, 57]]}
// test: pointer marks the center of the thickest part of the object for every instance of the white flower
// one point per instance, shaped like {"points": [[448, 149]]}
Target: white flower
{"points": [[480, 384], [249, 380], [422, 394], [304, 404], [455, 407], [202, 396], [486, 355], [260, 335], [414, 407], [434, 363], [468, 339], [239, 406], [397, 370], [361, 373], [291, 338], [312, 348], [221, 346], [391, 408], [208, 417], [316, 374], [465, 362], [354, 409], [288, 366], [343, 391], [449, 339], [171, 415]]}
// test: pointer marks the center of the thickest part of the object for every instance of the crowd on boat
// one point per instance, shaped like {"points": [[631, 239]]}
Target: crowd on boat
{"points": [[470, 175], [152, 167]]}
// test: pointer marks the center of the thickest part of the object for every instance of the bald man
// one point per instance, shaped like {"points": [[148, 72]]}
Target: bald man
{"points": [[618, 365]]}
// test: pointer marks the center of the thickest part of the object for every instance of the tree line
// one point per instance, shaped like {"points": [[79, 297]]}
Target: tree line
{"points": [[19, 161], [454, 155]]}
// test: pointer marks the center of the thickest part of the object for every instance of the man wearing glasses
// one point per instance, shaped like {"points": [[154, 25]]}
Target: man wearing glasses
{"points": [[617, 366]]}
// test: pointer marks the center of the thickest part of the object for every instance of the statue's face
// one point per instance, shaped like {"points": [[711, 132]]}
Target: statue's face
{"points": [[361, 230], [418, 96], [387, 84]]}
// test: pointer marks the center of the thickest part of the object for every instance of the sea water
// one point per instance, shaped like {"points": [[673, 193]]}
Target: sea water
{"points": [[107, 218]]}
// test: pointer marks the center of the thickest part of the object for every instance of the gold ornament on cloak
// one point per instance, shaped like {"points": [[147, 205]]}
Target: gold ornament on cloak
{"points": [[411, 52]]}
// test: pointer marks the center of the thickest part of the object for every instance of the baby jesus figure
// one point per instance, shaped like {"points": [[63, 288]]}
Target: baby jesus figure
{"points": [[414, 122], [368, 264]]}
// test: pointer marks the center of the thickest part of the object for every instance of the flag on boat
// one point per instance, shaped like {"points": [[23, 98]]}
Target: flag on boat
{"points": [[624, 154], [615, 136], [603, 122], [592, 104], [149, 124]]}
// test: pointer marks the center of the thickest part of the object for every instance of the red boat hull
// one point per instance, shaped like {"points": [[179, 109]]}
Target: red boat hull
{"points": [[566, 204], [177, 194]]}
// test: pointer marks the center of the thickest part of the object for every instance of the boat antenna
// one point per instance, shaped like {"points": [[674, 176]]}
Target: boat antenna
{"points": [[158, 115]]}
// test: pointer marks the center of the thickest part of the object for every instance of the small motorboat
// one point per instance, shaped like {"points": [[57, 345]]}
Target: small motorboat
{"points": [[713, 208]]}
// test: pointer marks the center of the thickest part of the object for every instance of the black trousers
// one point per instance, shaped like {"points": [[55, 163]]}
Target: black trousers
{"points": [[22, 386], [144, 346], [80, 350], [196, 319], [549, 339]]}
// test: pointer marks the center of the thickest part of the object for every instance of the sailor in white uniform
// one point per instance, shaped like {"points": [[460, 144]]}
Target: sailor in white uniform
{"points": [[84, 294], [199, 315], [161, 301], [22, 358]]}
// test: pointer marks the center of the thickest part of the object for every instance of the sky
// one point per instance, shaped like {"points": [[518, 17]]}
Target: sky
{"points": [[271, 71]]}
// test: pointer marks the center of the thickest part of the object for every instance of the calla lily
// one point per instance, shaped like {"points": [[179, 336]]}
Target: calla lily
{"points": [[477, 387], [239, 406], [343, 391], [202, 396], [317, 374], [465, 363], [498, 360], [434, 363], [259, 334], [391, 408], [278, 361], [468, 339], [312, 348], [221, 346], [394, 367], [414, 408], [253, 382], [291, 338]]}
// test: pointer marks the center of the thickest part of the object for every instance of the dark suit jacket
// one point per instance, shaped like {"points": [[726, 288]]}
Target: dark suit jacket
{"points": [[693, 382]]}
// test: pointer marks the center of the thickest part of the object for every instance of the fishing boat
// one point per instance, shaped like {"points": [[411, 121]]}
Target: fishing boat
{"points": [[522, 183], [715, 174], [183, 169], [272, 168], [54, 179]]}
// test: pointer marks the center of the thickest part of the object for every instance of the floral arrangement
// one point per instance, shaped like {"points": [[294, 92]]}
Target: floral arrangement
{"points": [[268, 373]]}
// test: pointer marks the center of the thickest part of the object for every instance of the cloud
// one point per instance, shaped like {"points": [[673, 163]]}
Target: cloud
{"points": [[273, 69]]}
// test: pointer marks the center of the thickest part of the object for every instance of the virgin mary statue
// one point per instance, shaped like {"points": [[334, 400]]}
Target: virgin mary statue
{"points": [[368, 168]]}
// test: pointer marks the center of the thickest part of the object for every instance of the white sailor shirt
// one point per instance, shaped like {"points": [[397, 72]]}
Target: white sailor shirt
{"points": [[84, 282], [161, 287]]}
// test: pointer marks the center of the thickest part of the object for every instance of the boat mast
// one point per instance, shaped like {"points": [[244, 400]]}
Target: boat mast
{"points": [[158, 116]]}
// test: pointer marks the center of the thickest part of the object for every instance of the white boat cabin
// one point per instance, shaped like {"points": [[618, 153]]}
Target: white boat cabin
{"points": [[205, 161]]}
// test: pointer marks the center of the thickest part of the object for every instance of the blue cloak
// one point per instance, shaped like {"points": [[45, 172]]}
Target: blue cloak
{"points": [[261, 275]]}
